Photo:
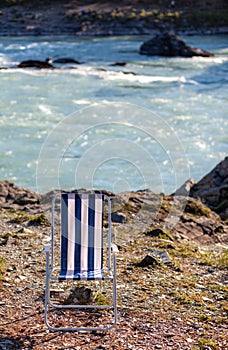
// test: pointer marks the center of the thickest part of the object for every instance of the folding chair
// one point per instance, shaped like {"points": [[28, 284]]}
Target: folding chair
{"points": [[82, 253]]}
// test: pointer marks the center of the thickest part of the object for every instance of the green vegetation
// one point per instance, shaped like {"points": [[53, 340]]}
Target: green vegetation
{"points": [[186, 17], [39, 219], [184, 250], [2, 267], [214, 258], [207, 343], [20, 217], [204, 318], [100, 299], [188, 298], [197, 209]]}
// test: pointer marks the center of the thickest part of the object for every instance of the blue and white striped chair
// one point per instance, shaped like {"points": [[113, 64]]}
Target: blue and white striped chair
{"points": [[81, 250]]}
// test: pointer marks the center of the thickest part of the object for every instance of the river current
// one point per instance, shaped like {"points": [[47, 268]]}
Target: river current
{"points": [[152, 123]]}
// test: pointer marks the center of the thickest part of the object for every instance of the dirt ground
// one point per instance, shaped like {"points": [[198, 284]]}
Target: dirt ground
{"points": [[176, 303]]}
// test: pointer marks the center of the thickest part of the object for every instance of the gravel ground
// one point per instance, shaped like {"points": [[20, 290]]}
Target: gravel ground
{"points": [[176, 303]]}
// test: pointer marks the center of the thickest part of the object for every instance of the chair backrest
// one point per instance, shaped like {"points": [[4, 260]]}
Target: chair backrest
{"points": [[81, 236]]}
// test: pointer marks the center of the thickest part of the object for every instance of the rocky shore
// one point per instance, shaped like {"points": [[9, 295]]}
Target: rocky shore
{"points": [[172, 276], [173, 249], [74, 17]]}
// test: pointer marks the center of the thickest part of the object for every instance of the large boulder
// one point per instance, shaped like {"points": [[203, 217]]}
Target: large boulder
{"points": [[170, 218], [168, 44], [212, 189]]}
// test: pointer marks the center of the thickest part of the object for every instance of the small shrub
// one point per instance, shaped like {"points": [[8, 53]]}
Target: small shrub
{"points": [[207, 343], [197, 208], [204, 318], [216, 259], [20, 218], [39, 219], [100, 299]]}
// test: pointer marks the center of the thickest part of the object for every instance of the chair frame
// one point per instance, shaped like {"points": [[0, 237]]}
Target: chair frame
{"points": [[111, 259]]}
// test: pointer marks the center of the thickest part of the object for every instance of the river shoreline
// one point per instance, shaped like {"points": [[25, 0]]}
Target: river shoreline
{"points": [[179, 303], [77, 18], [163, 303]]}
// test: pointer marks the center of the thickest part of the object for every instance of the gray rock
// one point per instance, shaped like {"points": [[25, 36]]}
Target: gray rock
{"points": [[12, 195], [197, 222], [162, 255], [184, 190], [119, 218], [212, 189], [168, 44]]}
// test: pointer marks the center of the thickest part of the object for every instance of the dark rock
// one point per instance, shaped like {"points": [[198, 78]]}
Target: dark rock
{"points": [[147, 261], [102, 70], [168, 44], [132, 73], [212, 189], [80, 294], [121, 64], [118, 217], [120, 248], [157, 232], [66, 60], [35, 64], [4, 240]]}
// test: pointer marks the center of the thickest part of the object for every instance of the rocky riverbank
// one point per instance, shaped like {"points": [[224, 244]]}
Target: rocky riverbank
{"points": [[172, 275], [111, 18]]}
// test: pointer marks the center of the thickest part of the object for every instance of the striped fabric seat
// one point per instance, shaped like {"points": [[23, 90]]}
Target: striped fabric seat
{"points": [[81, 236], [82, 244]]}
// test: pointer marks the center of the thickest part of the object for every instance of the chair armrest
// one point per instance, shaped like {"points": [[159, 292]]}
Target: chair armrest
{"points": [[114, 248], [47, 248]]}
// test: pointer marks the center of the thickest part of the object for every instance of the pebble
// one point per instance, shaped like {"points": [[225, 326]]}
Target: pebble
{"points": [[21, 277], [189, 340]]}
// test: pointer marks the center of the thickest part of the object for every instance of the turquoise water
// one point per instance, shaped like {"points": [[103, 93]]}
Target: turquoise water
{"points": [[153, 123]]}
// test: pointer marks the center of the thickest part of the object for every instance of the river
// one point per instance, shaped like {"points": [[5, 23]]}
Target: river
{"points": [[152, 123]]}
